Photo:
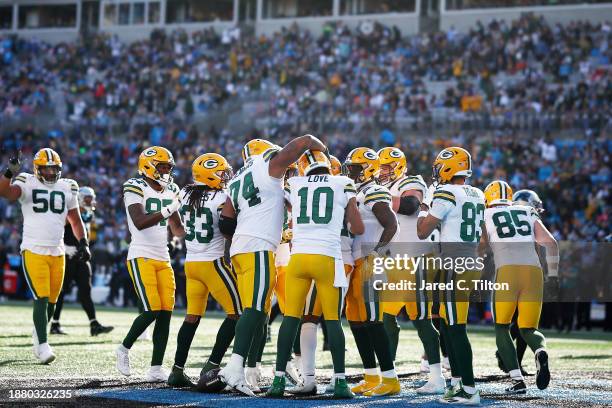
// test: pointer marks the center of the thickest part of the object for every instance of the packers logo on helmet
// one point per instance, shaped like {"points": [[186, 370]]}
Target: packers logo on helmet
{"points": [[451, 162], [212, 170], [362, 165], [256, 147], [392, 164], [498, 193], [47, 166], [311, 160], [150, 159]]}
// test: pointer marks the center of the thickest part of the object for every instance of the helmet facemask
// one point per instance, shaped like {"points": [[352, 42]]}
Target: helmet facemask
{"points": [[50, 178]]}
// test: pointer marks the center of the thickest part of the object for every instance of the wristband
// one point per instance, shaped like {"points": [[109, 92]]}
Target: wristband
{"points": [[553, 265], [423, 214], [8, 173]]}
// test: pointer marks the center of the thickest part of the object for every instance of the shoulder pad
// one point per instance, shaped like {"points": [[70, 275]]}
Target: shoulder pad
{"points": [[74, 187], [444, 194], [377, 193], [134, 186], [135, 181], [23, 177]]}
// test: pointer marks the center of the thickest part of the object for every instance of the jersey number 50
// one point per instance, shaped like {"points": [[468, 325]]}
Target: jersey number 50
{"points": [[44, 201]]}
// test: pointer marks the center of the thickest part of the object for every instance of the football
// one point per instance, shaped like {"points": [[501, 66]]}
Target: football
{"points": [[210, 382]]}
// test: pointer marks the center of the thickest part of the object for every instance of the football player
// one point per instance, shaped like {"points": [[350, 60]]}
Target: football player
{"points": [[313, 312], [316, 256], [363, 308], [151, 202], [206, 270], [511, 230], [407, 194], [46, 200], [77, 271], [253, 217], [458, 209]]}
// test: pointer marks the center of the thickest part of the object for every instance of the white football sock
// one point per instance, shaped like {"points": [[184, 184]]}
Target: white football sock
{"points": [[236, 360], [389, 374], [371, 371], [469, 390], [435, 372], [516, 374], [308, 345], [455, 381]]}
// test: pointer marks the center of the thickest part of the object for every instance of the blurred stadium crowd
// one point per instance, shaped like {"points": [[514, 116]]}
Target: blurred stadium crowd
{"points": [[530, 100]]}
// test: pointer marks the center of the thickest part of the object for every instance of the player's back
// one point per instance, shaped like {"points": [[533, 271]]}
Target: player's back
{"points": [[318, 205], [203, 240], [461, 211], [258, 200], [151, 242], [45, 208], [511, 234]]}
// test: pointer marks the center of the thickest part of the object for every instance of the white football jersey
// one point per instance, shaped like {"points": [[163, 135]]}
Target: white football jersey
{"points": [[282, 255], [461, 211], [407, 239], [318, 203], [511, 233], [150, 242], [203, 240], [258, 199], [368, 195], [44, 210]]}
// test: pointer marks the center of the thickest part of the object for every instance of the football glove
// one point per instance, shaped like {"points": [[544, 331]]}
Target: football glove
{"points": [[551, 288], [287, 235], [14, 165], [83, 254]]}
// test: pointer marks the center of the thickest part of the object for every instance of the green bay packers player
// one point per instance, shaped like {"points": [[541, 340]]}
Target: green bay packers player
{"points": [[319, 202], [152, 205], [363, 308], [253, 217], [511, 231], [408, 191], [206, 270], [47, 201], [458, 209], [313, 312]]}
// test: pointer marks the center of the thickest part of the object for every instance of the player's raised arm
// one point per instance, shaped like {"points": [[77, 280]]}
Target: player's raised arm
{"points": [[11, 192], [353, 217], [291, 152]]}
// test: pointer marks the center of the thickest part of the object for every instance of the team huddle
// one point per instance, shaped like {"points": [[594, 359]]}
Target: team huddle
{"points": [[296, 224]]}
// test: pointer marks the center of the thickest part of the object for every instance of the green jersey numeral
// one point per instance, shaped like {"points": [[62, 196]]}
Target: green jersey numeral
{"points": [[316, 217], [153, 205], [203, 215], [472, 215], [55, 202], [508, 224], [249, 192]]}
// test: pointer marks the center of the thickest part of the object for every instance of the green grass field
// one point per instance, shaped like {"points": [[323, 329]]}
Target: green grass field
{"points": [[581, 359]]}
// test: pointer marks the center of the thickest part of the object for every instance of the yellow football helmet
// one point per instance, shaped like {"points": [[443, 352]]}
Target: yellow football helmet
{"points": [[312, 159], [49, 160], [256, 147], [498, 192], [451, 162], [396, 159], [150, 158], [365, 159], [212, 170], [336, 166]]}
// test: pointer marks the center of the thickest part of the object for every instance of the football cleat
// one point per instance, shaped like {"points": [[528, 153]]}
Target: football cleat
{"points": [[292, 370], [234, 377], [543, 374], [432, 387], [210, 382], [178, 378], [56, 328], [157, 374], [342, 390], [462, 397], [45, 353], [368, 382], [517, 387], [450, 391], [388, 386], [307, 387], [96, 328], [277, 389], [253, 376], [123, 360]]}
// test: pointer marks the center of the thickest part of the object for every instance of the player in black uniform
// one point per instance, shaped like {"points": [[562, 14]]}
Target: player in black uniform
{"points": [[77, 271]]}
